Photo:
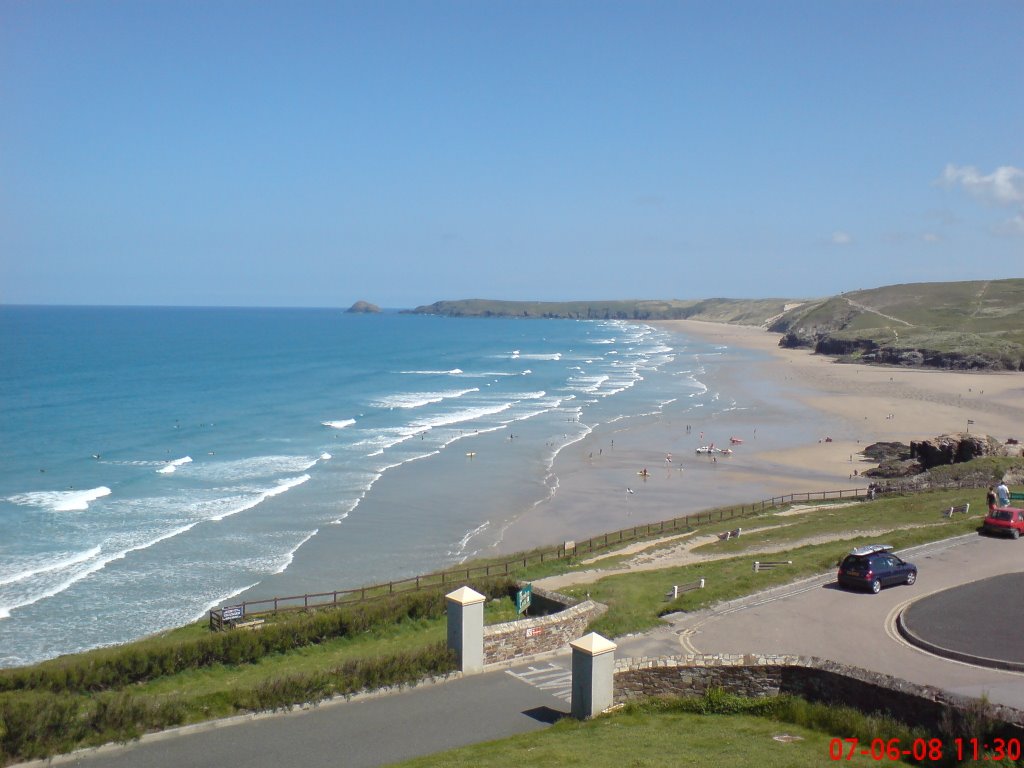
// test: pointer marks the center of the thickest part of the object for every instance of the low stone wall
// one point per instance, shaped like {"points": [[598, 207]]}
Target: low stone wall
{"points": [[513, 639], [811, 678]]}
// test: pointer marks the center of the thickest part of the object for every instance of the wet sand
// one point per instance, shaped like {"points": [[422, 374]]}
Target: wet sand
{"points": [[791, 401]]}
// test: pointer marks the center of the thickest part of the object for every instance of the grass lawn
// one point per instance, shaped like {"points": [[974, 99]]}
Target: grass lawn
{"points": [[636, 599], [205, 684], [641, 739]]}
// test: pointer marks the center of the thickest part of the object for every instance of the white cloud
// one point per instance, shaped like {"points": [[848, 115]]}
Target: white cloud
{"points": [[1004, 186], [931, 237], [841, 238]]}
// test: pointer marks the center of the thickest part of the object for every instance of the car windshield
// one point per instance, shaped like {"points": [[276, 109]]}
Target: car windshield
{"points": [[1002, 514]]}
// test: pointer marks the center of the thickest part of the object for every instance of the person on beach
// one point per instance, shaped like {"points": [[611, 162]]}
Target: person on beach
{"points": [[1003, 493], [990, 497]]}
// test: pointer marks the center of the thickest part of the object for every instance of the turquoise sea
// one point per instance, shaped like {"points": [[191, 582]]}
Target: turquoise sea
{"points": [[155, 462]]}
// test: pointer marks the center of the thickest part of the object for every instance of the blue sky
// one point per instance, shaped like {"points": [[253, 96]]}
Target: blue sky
{"points": [[316, 153]]}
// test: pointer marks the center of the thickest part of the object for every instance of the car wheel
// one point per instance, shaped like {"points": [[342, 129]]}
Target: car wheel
{"points": [[911, 577], [1015, 533], [876, 586]]}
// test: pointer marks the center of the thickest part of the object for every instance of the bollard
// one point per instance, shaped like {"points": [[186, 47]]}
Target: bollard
{"points": [[466, 628]]}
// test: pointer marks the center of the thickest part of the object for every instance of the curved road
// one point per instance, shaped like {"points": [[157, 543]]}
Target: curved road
{"points": [[816, 618]]}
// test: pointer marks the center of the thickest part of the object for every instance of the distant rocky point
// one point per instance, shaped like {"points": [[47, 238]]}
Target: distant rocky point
{"points": [[363, 308]]}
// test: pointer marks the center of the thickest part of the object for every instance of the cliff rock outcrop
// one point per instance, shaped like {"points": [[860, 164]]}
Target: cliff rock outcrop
{"points": [[953, 449]]}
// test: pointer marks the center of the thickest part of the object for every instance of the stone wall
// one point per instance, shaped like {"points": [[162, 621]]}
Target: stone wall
{"points": [[811, 678], [513, 639]]}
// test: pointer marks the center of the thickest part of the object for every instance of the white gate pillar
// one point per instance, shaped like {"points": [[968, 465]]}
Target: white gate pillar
{"points": [[466, 628], [593, 675]]}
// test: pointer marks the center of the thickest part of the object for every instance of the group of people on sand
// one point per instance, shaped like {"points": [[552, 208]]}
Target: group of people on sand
{"points": [[998, 496]]}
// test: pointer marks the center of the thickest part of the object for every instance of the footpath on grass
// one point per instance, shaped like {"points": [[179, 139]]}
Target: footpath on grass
{"points": [[679, 550]]}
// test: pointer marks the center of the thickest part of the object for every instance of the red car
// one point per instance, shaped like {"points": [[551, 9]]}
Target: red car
{"points": [[1004, 520]]}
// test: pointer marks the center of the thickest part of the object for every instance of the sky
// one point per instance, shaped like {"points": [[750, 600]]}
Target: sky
{"points": [[271, 153]]}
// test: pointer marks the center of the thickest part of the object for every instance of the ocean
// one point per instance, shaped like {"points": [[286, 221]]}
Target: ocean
{"points": [[157, 462]]}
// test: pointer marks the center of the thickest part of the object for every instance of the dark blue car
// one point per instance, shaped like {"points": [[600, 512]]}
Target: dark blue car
{"points": [[873, 567]]}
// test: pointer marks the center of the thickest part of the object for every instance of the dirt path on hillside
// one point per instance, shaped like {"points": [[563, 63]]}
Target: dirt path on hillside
{"points": [[655, 555]]}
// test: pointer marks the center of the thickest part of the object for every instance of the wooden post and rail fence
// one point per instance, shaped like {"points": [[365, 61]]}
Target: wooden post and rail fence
{"points": [[229, 615]]}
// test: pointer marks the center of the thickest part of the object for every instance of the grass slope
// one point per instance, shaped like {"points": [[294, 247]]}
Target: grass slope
{"points": [[970, 324]]}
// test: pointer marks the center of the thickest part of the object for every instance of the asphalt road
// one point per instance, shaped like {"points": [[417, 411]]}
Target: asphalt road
{"points": [[812, 617], [367, 731], [817, 618], [949, 621]]}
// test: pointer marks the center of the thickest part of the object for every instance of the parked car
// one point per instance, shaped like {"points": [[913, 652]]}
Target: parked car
{"points": [[1006, 521], [875, 566]]}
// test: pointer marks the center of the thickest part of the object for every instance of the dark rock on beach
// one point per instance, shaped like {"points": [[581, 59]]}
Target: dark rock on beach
{"points": [[887, 452], [953, 449]]}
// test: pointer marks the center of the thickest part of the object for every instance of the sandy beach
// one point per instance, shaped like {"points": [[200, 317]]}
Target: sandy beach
{"points": [[796, 400]]}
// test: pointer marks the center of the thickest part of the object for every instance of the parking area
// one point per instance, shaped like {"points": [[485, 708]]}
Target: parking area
{"points": [[817, 617]]}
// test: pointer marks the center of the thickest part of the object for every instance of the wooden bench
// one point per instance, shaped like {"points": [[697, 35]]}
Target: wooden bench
{"points": [[965, 508], [733, 534], [769, 565], [678, 589], [251, 624]]}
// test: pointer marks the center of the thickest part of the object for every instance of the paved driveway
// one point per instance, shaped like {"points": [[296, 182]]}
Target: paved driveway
{"points": [[817, 618], [368, 731]]}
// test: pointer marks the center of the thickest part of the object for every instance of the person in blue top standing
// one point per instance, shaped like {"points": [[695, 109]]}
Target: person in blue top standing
{"points": [[1003, 494]]}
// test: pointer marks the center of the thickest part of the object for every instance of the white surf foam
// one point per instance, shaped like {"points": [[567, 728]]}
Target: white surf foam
{"points": [[96, 564], [259, 498], [54, 565], [253, 468], [452, 372], [460, 548], [172, 466], [516, 355], [341, 424], [420, 399], [484, 374], [458, 417], [60, 501], [290, 555], [222, 600]]}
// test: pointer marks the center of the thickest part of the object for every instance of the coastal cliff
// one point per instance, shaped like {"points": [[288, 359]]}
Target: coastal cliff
{"points": [[972, 325]]}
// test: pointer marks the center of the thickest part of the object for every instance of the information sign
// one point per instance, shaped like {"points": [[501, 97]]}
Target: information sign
{"points": [[523, 597], [232, 612]]}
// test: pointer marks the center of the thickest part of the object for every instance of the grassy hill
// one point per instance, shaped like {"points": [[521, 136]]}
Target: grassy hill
{"points": [[740, 311], [962, 325]]}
